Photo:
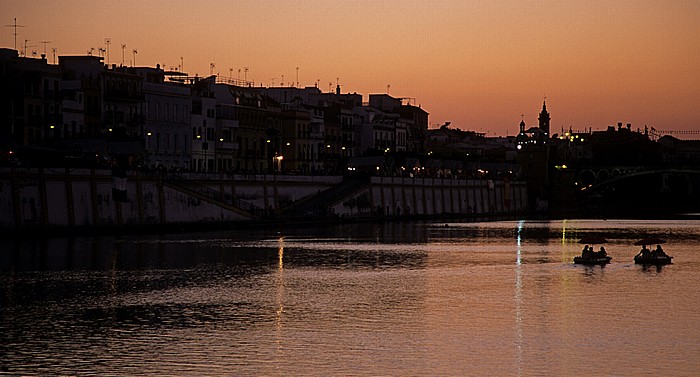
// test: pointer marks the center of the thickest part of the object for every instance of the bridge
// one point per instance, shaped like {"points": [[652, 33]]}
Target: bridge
{"points": [[596, 178]]}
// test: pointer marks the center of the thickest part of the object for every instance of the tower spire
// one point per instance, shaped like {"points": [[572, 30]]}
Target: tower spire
{"points": [[544, 117]]}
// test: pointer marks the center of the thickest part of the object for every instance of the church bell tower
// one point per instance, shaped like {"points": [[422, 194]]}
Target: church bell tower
{"points": [[544, 119]]}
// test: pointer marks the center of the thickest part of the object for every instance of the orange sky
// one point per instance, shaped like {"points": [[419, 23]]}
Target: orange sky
{"points": [[477, 64]]}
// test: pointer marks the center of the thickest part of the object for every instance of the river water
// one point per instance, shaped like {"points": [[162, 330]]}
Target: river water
{"points": [[492, 298]]}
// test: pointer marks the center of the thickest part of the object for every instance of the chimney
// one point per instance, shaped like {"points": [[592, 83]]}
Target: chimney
{"points": [[619, 126], [337, 89]]}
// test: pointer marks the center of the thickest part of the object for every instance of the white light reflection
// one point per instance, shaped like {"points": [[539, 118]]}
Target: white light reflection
{"points": [[518, 299], [563, 232], [280, 292]]}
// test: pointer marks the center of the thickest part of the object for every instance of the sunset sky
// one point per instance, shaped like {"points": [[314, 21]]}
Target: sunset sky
{"points": [[476, 64]]}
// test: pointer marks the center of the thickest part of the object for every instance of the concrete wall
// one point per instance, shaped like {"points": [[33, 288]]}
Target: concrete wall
{"points": [[269, 191], [61, 198], [82, 197], [38, 198], [434, 196]]}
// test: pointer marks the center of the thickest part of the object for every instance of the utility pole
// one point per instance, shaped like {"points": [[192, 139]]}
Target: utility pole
{"points": [[14, 25]]}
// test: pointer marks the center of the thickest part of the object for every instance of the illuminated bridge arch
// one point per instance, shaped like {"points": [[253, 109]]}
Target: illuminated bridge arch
{"points": [[605, 177]]}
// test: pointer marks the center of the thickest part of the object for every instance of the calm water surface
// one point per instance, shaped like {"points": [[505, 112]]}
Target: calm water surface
{"points": [[498, 298]]}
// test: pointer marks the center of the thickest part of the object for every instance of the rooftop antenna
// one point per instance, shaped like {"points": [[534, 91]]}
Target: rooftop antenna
{"points": [[297, 77], [211, 68], [387, 88], [14, 25], [282, 83], [108, 41], [25, 46], [239, 73], [54, 54], [45, 43], [135, 52], [123, 47], [245, 69], [230, 73], [182, 64]]}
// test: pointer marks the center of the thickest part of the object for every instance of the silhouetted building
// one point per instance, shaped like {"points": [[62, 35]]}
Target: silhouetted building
{"points": [[30, 100]]}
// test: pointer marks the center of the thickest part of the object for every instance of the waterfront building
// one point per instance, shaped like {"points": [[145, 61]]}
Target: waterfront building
{"points": [[295, 143], [203, 120], [30, 99], [248, 126], [167, 112], [104, 106]]}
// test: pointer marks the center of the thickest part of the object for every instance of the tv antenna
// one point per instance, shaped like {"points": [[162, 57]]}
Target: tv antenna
{"points": [[123, 47], [297, 77], [14, 25], [25, 46], [53, 49], [108, 41], [45, 43], [211, 68]]}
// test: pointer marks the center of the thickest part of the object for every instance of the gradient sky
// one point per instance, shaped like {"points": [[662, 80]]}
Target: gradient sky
{"points": [[476, 64]]}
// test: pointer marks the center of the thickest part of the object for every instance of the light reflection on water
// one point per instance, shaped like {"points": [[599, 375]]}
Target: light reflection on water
{"points": [[498, 298]]}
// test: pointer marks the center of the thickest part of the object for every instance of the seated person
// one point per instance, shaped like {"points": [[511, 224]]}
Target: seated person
{"points": [[587, 252], [644, 253], [658, 253], [601, 253]]}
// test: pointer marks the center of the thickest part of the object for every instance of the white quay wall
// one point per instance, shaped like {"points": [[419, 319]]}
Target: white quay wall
{"points": [[393, 196], [36, 198]]}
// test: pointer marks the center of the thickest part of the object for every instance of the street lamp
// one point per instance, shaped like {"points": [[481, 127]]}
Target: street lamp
{"points": [[278, 159], [148, 143]]}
